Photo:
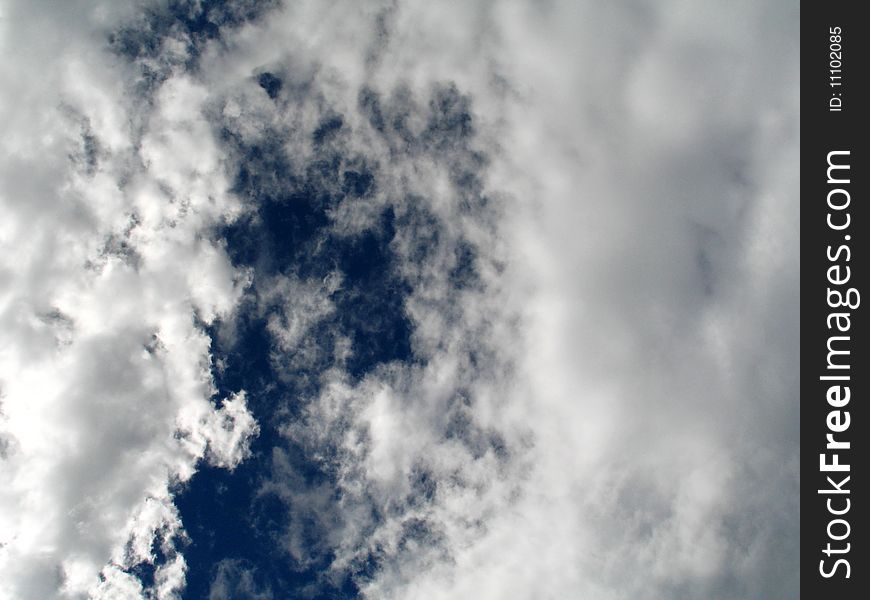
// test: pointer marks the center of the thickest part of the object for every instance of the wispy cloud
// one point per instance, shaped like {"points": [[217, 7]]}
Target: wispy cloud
{"points": [[480, 300]]}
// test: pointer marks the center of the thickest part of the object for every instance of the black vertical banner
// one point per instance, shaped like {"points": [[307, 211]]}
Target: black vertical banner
{"points": [[835, 221]]}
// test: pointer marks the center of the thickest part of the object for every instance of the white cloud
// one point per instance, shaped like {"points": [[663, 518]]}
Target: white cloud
{"points": [[105, 375], [643, 160], [607, 410]]}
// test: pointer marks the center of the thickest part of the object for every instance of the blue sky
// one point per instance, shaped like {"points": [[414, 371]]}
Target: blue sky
{"points": [[399, 300]]}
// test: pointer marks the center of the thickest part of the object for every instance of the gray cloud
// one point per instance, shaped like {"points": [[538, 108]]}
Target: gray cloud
{"points": [[106, 376], [596, 221]]}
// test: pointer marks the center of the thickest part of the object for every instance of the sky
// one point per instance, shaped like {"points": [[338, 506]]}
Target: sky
{"points": [[398, 300]]}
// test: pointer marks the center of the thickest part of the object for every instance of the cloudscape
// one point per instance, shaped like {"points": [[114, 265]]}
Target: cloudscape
{"points": [[399, 300]]}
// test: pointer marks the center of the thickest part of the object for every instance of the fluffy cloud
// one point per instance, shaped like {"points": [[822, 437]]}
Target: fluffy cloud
{"points": [[104, 369], [646, 227], [528, 271]]}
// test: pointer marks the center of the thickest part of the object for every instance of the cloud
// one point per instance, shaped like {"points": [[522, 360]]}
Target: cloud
{"points": [[521, 278], [236, 580], [638, 325], [106, 376]]}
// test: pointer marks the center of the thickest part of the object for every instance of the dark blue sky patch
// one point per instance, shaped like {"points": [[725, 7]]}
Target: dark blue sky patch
{"points": [[213, 498], [193, 22], [302, 368], [292, 236], [223, 514], [290, 226], [244, 353], [271, 84], [225, 520], [262, 170], [327, 129], [218, 507], [422, 237], [357, 183], [370, 305], [287, 231], [321, 179], [276, 510], [311, 504], [145, 571]]}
